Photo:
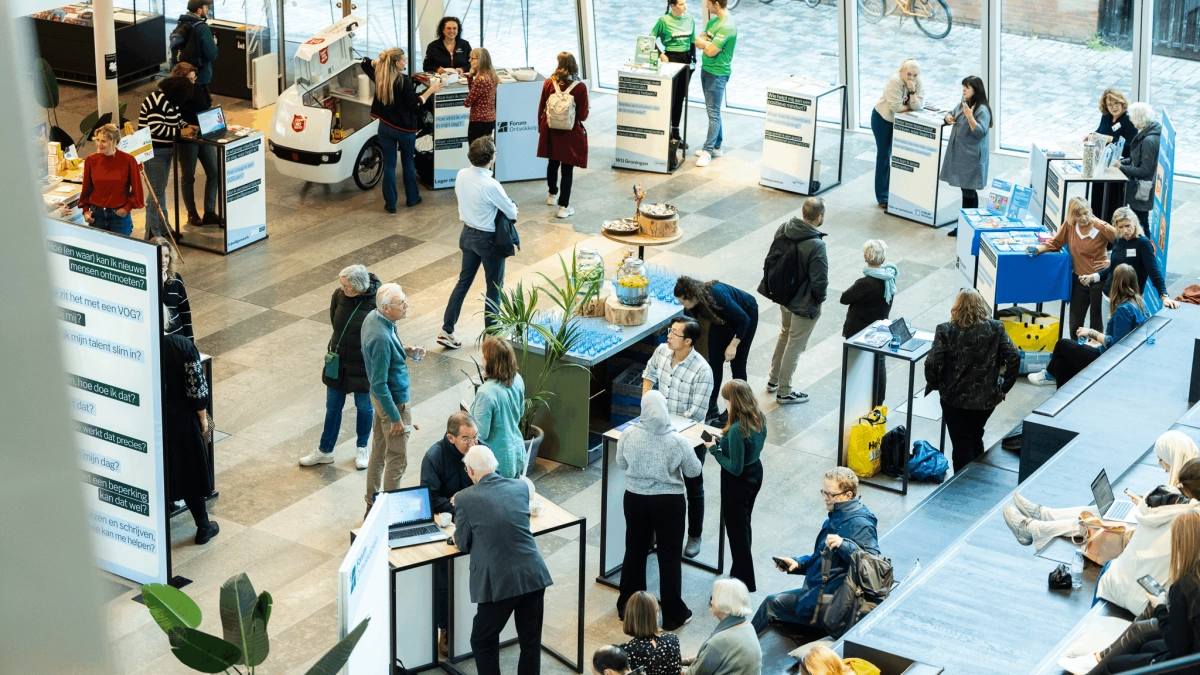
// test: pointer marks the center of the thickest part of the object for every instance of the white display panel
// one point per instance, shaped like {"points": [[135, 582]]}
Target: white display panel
{"points": [[106, 297], [788, 135], [450, 118], [517, 131], [614, 534], [464, 610], [364, 592], [644, 117], [414, 602], [985, 281], [245, 193], [913, 190]]}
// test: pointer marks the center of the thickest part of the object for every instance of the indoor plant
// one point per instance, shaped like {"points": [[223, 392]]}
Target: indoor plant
{"points": [[244, 617]]}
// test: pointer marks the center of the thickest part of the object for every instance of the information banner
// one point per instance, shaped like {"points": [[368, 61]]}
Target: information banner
{"points": [[106, 298], [138, 144], [450, 118], [245, 193], [364, 593], [916, 158], [1159, 231], [517, 131], [644, 117], [791, 122]]}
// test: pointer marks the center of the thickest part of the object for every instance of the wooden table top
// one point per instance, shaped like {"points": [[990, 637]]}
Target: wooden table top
{"points": [[552, 516], [691, 433], [640, 239]]}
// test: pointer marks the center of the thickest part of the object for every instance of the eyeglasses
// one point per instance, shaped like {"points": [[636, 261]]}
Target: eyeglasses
{"points": [[831, 495], [473, 440]]}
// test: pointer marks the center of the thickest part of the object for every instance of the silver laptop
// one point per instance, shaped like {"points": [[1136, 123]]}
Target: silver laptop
{"points": [[908, 343], [212, 125], [1110, 508], [410, 518]]}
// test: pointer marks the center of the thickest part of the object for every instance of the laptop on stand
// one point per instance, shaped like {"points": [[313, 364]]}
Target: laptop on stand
{"points": [[410, 518], [212, 126], [908, 343], [1109, 507]]}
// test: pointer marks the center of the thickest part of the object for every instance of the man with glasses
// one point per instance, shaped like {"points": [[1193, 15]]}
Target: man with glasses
{"points": [[685, 379], [849, 527], [443, 472]]}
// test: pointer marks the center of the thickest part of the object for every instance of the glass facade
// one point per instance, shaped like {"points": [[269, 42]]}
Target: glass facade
{"points": [[1174, 75], [521, 33]]}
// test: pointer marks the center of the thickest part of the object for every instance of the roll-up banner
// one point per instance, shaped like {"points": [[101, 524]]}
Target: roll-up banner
{"points": [[1159, 231], [791, 121], [450, 119], [644, 117], [364, 593], [106, 298], [245, 193]]}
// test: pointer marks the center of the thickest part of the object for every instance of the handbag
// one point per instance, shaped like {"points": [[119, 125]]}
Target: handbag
{"points": [[1103, 541], [865, 438], [891, 451], [1144, 188], [1060, 578], [333, 361]]}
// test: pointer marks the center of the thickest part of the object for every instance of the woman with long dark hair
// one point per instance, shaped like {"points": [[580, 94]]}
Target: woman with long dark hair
{"points": [[733, 318], [449, 52], [966, 163], [565, 148]]}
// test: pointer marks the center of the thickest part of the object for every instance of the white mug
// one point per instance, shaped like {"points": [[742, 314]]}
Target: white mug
{"points": [[444, 519]]}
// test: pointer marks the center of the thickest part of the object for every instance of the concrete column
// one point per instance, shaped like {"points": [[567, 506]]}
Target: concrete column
{"points": [[106, 58]]}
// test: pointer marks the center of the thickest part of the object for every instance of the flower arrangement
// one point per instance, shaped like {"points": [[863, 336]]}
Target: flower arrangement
{"points": [[638, 195]]}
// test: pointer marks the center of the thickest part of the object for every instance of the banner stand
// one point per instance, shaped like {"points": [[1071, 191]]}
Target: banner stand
{"points": [[789, 155], [914, 190]]}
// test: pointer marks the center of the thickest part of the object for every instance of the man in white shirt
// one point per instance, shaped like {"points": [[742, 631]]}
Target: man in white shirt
{"points": [[686, 380], [481, 203]]}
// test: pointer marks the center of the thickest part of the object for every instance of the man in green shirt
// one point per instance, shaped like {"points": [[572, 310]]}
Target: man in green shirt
{"points": [[717, 43], [677, 31]]}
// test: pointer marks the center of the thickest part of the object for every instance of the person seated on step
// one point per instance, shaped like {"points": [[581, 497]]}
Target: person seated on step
{"points": [[821, 660], [733, 648], [850, 526], [610, 660], [1169, 627], [1148, 551]]}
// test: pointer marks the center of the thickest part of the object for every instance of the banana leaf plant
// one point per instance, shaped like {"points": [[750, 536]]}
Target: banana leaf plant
{"points": [[244, 641]]}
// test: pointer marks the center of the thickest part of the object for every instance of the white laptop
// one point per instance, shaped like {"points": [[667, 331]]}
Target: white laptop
{"points": [[410, 518], [1110, 508]]}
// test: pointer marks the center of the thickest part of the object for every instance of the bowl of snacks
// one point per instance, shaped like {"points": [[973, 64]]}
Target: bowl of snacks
{"points": [[621, 226]]}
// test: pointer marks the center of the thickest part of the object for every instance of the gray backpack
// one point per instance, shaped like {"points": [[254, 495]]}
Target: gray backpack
{"points": [[560, 108], [867, 583]]}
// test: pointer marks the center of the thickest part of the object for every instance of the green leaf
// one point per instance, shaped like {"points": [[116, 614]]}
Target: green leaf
{"points": [[264, 607], [45, 88], [335, 658], [258, 643], [170, 607], [238, 602], [201, 651]]}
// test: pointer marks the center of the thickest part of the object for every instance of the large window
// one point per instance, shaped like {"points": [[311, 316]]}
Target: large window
{"points": [[1054, 63], [531, 33], [1174, 72]]}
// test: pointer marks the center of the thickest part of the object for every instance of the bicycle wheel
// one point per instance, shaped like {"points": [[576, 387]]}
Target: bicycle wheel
{"points": [[871, 10], [813, 3], [933, 18], [732, 4]]}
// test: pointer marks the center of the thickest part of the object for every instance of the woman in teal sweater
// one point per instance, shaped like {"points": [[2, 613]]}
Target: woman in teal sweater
{"points": [[498, 407], [737, 450]]}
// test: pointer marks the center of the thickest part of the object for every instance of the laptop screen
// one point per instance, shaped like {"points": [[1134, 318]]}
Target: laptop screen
{"points": [[1102, 491], [211, 121], [409, 506], [899, 327]]}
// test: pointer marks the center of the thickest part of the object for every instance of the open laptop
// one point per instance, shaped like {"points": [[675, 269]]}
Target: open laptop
{"points": [[212, 125], [1110, 508], [908, 343], [410, 518]]}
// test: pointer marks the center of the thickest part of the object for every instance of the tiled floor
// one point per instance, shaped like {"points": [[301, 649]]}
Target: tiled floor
{"points": [[262, 314]]}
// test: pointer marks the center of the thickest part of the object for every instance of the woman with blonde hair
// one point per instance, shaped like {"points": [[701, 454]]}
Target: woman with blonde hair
{"points": [[499, 405], [565, 148], [481, 97], [821, 660], [902, 93], [1114, 126], [1086, 237], [737, 450], [1132, 247], [397, 107], [112, 184], [973, 364], [650, 649], [1070, 357]]}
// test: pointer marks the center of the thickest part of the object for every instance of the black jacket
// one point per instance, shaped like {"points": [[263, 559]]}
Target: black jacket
{"points": [[1125, 129], [1142, 165], [974, 367], [352, 369], [443, 472], [404, 110], [1140, 255], [867, 305], [814, 267], [436, 56]]}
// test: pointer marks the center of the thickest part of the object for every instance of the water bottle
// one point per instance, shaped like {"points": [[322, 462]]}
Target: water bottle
{"points": [[1151, 335], [1077, 570], [895, 343]]}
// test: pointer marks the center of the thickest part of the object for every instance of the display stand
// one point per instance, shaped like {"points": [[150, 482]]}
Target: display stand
{"points": [[974, 222], [1060, 175], [1008, 276], [914, 190], [67, 42], [789, 160], [517, 130], [858, 397], [612, 511], [644, 117], [441, 154], [241, 196]]}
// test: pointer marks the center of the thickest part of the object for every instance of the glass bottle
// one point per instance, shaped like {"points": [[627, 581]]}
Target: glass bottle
{"points": [[632, 285], [338, 133]]}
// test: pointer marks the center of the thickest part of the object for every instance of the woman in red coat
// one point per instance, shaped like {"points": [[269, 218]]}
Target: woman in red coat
{"points": [[568, 149]]}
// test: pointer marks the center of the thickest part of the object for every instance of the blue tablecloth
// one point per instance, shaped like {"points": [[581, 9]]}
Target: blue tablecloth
{"points": [[1021, 278], [975, 219]]}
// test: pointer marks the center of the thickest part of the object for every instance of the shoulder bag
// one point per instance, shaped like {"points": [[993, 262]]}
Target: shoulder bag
{"points": [[333, 361], [1104, 540]]}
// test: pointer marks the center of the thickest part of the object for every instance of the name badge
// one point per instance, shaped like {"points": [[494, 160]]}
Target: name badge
{"points": [[1131, 253], [1117, 126]]}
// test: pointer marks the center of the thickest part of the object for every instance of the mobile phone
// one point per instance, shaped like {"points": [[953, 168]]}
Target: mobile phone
{"points": [[782, 563], [705, 436], [1152, 587]]}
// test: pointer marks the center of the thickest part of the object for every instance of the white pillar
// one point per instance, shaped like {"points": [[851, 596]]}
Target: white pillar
{"points": [[106, 58]]}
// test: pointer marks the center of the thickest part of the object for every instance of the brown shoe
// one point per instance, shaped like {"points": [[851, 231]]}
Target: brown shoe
{"points": [[194, 220], [443, 642], [211, 219]]}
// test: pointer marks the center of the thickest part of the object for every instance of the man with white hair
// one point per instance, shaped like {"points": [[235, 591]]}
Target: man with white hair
{"points": [[508, 574], [387, 370]]}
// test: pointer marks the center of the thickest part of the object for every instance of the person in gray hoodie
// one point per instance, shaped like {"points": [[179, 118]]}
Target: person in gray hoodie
{"points": [[801, 314], [655, 459]]}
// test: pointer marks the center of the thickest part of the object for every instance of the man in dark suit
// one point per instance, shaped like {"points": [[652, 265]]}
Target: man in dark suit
{"points": [[507, 572]]}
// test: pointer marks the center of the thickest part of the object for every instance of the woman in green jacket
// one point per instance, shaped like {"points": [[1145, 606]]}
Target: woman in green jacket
{"points": [[498, 407], [676, 30], [737, 450]]}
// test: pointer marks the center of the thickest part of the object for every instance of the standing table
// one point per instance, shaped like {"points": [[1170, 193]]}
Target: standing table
{"points": [[241, 195], [517, 129], [914, 191], [1007, 274], [644, 117], [789, 159], [641, 241], [1060, 175], [974, 222]]}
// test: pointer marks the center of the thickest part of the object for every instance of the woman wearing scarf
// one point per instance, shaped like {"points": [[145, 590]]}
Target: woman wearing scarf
{"points": [[655, 459], [869, 300]]}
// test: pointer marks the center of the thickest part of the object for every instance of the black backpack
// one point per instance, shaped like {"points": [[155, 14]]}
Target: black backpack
{"points": [[868, 582], [181, 45], [891, 452], [781, 271]]}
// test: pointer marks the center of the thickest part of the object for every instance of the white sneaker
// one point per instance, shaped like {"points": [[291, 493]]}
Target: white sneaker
{"points": [[699, 152], [552, 200], [316, 457], [1042, 379], [565, 212], [716, 152], [361, 458], [1079, 665], [704, 160]]}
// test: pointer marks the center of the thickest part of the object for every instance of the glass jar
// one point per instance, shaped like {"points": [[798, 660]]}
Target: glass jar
{"points": [[633, 286], [589, 267]]}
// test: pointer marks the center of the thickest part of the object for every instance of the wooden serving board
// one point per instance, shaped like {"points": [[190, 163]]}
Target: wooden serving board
{"points": [[595, 306], [623, 315]]}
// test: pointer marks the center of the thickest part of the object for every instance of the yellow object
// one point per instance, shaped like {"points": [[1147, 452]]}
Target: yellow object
{"points": [[866, 436], [861, 667], [633, 281], [1031, 331]]}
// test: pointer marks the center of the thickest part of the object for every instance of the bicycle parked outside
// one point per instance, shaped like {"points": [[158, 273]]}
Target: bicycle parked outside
{"points": [[933, 17]]}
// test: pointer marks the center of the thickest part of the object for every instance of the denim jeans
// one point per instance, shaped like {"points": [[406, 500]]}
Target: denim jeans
{"points": [[781, 607], [335, 400], [107, 219], [391, 140], [207, 154], [882, 129], [158, 172], [714, 94], [476, 248]]}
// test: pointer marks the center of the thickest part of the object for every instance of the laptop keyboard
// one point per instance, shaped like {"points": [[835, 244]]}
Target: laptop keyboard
{"points": [[913, 344], [1119, 510], [413, 532]]}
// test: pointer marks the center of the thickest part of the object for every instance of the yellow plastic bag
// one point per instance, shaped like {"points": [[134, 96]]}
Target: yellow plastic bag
{"points": [[861, 667], [1030, 331], [863, 456]]}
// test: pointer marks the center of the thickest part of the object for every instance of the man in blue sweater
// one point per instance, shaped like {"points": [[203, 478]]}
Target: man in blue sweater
{"points": [[387, 370]]}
